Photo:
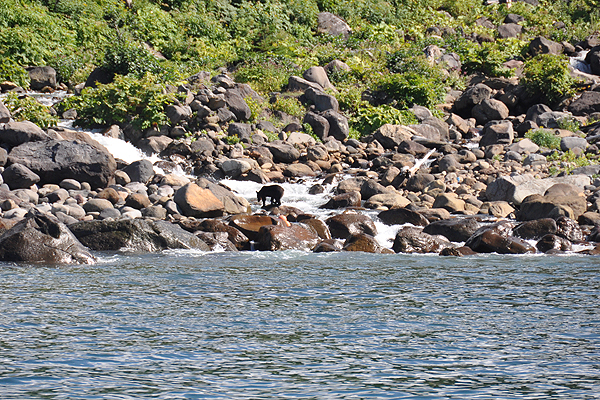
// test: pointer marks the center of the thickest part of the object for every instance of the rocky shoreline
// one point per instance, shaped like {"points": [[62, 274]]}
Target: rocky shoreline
{"points": [[480, 181]]}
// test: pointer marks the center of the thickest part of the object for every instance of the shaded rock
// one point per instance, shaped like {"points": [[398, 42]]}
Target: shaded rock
{"points": [[497, 132], [509, 30], [489, 110], [41, 238], [283, 152], [344, 200], [197, 202], [328, 246], [138, 235], [18, 176], [569, 229], [234, 235], [489, 241], [419, 181], [321, 100], [457, 251], [400, 216], [140, 171], [236, 104], [587, 103], [319, 124], [552, 242], [297, 84], [365, 243], [535, 229], [56, 160], [17, 133], [5, 115], [455, 229], [541, 45], [593, 58], [338, 125], [414, 240], [279, 237], [250, 225], [217, 241], [177, 113], [537, 207], [42, 77], [471, 97], [343, 225]]}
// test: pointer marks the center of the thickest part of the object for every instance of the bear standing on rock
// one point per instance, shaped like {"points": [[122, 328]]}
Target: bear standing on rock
{"points": [[275, 192]]}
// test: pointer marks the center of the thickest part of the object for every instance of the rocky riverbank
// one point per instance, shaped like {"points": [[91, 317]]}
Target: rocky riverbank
{"points": [[469, 177]]}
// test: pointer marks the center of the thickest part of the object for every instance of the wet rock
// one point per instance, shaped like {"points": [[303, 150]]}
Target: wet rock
{"points": [[328, 246], [139, 235], [54, 161], [343, 225], [536, 207], [457, 251], [344, 200], [193, 201], [489, 241], [569, 229], [455, 229], [217, 241], [318, 226], [250, 225], [234, 235], [552, 242], [414, 240], [365, 243], [401, 216], [280, 237]]}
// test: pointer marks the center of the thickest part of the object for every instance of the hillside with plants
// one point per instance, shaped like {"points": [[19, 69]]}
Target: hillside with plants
{"points": [[150, 44]]}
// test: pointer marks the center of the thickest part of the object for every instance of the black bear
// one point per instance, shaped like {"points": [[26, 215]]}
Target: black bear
{"points": [[275, 192]]}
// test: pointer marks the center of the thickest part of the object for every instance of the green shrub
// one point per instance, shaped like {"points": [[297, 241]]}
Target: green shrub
{"points": [[11, 71], [127, 99], [27, 108], [569, 123], [124, 58], [369, 118], [544, 138], [548, 75], [289, 105], [266, 75], [413, 88]]}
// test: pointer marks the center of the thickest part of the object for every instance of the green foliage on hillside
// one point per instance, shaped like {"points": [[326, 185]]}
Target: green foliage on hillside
{"points": [[264, 42]]}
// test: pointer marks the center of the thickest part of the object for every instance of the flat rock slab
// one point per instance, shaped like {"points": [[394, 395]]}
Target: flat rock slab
{"points": [[514, 189]]}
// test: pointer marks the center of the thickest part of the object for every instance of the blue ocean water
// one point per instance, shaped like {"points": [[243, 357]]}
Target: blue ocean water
{"points": [[184, 325]]}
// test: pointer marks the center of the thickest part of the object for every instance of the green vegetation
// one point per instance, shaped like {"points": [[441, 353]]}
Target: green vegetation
{"points": [[544, 138], [549, 75], [26, 108], [566, 162], [264, 42]]}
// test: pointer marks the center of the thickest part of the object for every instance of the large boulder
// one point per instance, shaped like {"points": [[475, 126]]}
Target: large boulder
{"points": [[333, 25], [234, 235], [195, 201], [587, 103], [490, 110], [490, 241], [16, 133], [236, 104], [338, 125], [283, 152], [593, 58], [250, 225], [319, 124], [391, 136], [41, 238], [401, 216], [455, 229], [365, 243], [414, 240], [349, 223], [140, 171], [281, 237], [344, 200], [552, 242], [541, 45], [18, 176], [54, 161], [138, 235], [232, 203], [471, 97], [42, 77], [515, 188], [497, 132], [536, 206]]}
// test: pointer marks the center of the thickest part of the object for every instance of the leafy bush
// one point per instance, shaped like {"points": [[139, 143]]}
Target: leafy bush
{"points": [[127, 99], [544, 138], [413, 88], [27, 108], [569, 123], [369, 118], [548, 74], [266, 75], [11, 71], [289, 105], [125, 58]]}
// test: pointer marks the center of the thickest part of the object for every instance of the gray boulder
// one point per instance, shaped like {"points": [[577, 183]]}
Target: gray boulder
{"points": [[319, 124], [321, 100], [42, 77], [5, 115], [338, 125], [41, 238], [593, 58], [390, 136], [571, 142], [509, 30], [140, 171], [18, 176], [471, 97], [333, 25], [283, 152], [318, 75], [541, 45], [497, 132], [16, 133], [55, 160], [297, 84], [515, 189], [489, 110], [237, 105], [139, 235], [587, 103]]}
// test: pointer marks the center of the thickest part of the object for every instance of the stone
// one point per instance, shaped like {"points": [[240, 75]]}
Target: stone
{"points": [[137, 235], [177, 113], [322, 101], [236, 104], [344, 200], [138, 201], [365, 243], [297, 84], [401, 216], [298, 170], [489, 110], [217, 241], [96, 205], [454, 229], [280, 237], [317, 152], [18, 176], [250, 225], [552, 242], [330, 24], [194, 201], [157, 211], [593, 59], [569, 229], [283, 152], [338, 125], [497, 132], [17, 133], [42, 77], [541, 45], [154, 144], [536, 206], [419, 181], [387, 200], [301, 139], [337, 66], [234, 235], [524, 146], [390, 136], [572, 142], [535, 229], [509, 30], [235, 167], [42, 238], [471, 97], [499, 209], [450, 202], [343, 225], [516, 188], [140, 171], [5, 115], [319, 124], [457, 251], [54, 161], [318, 75], [489, 241], [328, 246], [414, 240]]}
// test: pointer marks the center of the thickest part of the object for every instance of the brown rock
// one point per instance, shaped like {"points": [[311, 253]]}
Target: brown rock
{"points": [[535, 229], [365, 243], [491, 242], [343, 225], [137, 201], [553, 242], [414, 240], [457, 251], [344, 200], [400, 216], [197, 202], [279, 237], [250, 225]]}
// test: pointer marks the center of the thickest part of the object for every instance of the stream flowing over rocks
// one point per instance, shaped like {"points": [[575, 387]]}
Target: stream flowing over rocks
{"points": [[459, 185]]}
